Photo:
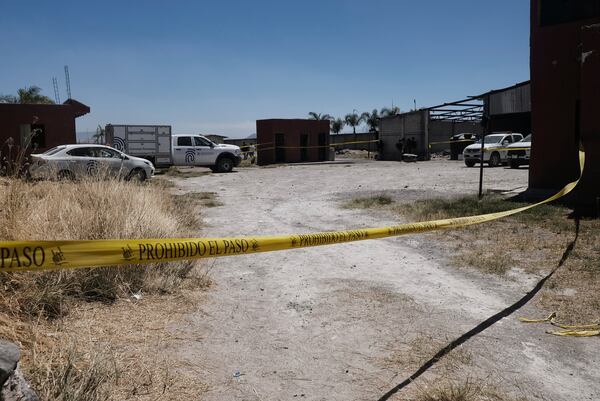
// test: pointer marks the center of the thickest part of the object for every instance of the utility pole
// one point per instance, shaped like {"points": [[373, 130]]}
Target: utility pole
{"points": [[486, 126]]}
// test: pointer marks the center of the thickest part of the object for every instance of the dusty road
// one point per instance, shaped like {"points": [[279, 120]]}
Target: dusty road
{"points": [[345, 322]]}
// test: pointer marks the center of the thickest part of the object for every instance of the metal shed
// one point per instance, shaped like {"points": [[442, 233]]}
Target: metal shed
{"points": [[429, 128], [508, 109]]}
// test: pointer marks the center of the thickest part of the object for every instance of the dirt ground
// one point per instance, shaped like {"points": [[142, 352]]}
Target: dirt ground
{"points": [[350, 321]]}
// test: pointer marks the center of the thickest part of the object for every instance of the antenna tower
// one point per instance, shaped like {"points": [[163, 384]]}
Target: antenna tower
{"points": [[68, 81], [56, 94]]}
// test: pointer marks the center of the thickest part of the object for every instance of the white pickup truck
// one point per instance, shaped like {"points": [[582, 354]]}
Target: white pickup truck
{"points": [[156, 144], [196, 150]]}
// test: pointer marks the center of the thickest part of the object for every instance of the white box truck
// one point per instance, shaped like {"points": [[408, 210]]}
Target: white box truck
{"points": [[155, 143], [151, 142]]}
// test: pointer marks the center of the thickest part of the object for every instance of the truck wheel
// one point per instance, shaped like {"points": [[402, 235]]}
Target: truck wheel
{"points": [[494, 159], [469, 163], [224, 165], [514, 164]]}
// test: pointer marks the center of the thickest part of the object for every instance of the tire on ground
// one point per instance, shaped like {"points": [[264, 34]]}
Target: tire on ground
{"points": [[495, 160], [224, 164]]}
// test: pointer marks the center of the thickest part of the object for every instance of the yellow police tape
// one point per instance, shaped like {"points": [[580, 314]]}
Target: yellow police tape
{"points": [[582, 330], [452, 141], [320, 146], [47, 255], [574, 333], [256, 144], [547, 319], [497, 149]]}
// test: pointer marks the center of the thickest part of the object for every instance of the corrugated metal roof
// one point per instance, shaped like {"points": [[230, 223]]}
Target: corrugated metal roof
{"points": [[516, 99]]}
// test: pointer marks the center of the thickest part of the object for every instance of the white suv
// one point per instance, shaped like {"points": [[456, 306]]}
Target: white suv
{"points": [[494, 149], [196, 150], [76, 161]]}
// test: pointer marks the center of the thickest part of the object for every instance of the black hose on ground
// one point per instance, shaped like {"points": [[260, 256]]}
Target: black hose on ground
{"points": [[486, 323]]}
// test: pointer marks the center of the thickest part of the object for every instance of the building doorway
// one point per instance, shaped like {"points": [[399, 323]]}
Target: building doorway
{"points": [[323, 148], [303, 147], [279, 148]]}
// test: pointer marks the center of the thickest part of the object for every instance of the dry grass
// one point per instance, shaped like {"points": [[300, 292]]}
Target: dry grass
{"points": [[530, 242], [91, 209], [206, 199], [466, 390], [369, 202], [41, 310], [186, 172], [409, 356], [132, 352]]}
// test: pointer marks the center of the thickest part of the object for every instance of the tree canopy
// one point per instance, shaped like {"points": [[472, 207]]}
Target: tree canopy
{"points": [[353, 120], [31, 95], [318, 116], [390, 111], [371, 119], [337, 125]]}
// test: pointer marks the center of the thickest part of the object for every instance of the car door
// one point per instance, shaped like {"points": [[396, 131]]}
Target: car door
{"points": [[184, 153], [110, 161], [78, 160], [507, 140], [205, 153]]}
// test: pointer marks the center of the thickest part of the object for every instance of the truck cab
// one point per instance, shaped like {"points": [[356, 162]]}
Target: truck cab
{"points": [[197, 150]]}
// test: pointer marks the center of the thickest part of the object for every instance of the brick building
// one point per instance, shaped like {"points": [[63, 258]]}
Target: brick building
{"points": [[565, 96], [292, 141], [53, 124]]}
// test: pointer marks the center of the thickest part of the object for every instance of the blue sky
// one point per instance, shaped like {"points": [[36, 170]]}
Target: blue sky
{"points": [[217, 66]]}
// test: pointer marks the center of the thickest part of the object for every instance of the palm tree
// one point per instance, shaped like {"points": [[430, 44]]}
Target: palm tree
{"points": [[337, 125], [372, 120], [98, 137], [392, 111], [353, 120], [27, 95], [319, 116]]}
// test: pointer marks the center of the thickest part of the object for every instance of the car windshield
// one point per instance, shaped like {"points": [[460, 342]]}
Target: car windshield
{"points": [[526, 139], [53, 150], [492, 139]]}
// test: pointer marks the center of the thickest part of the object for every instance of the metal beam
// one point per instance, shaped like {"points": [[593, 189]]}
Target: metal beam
{"points": [[459, 114], [442, 118], [464, 102], [463, 109]]}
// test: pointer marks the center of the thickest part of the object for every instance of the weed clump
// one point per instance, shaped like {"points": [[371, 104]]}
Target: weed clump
{"points": [[87, 210], [34, 306]]}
